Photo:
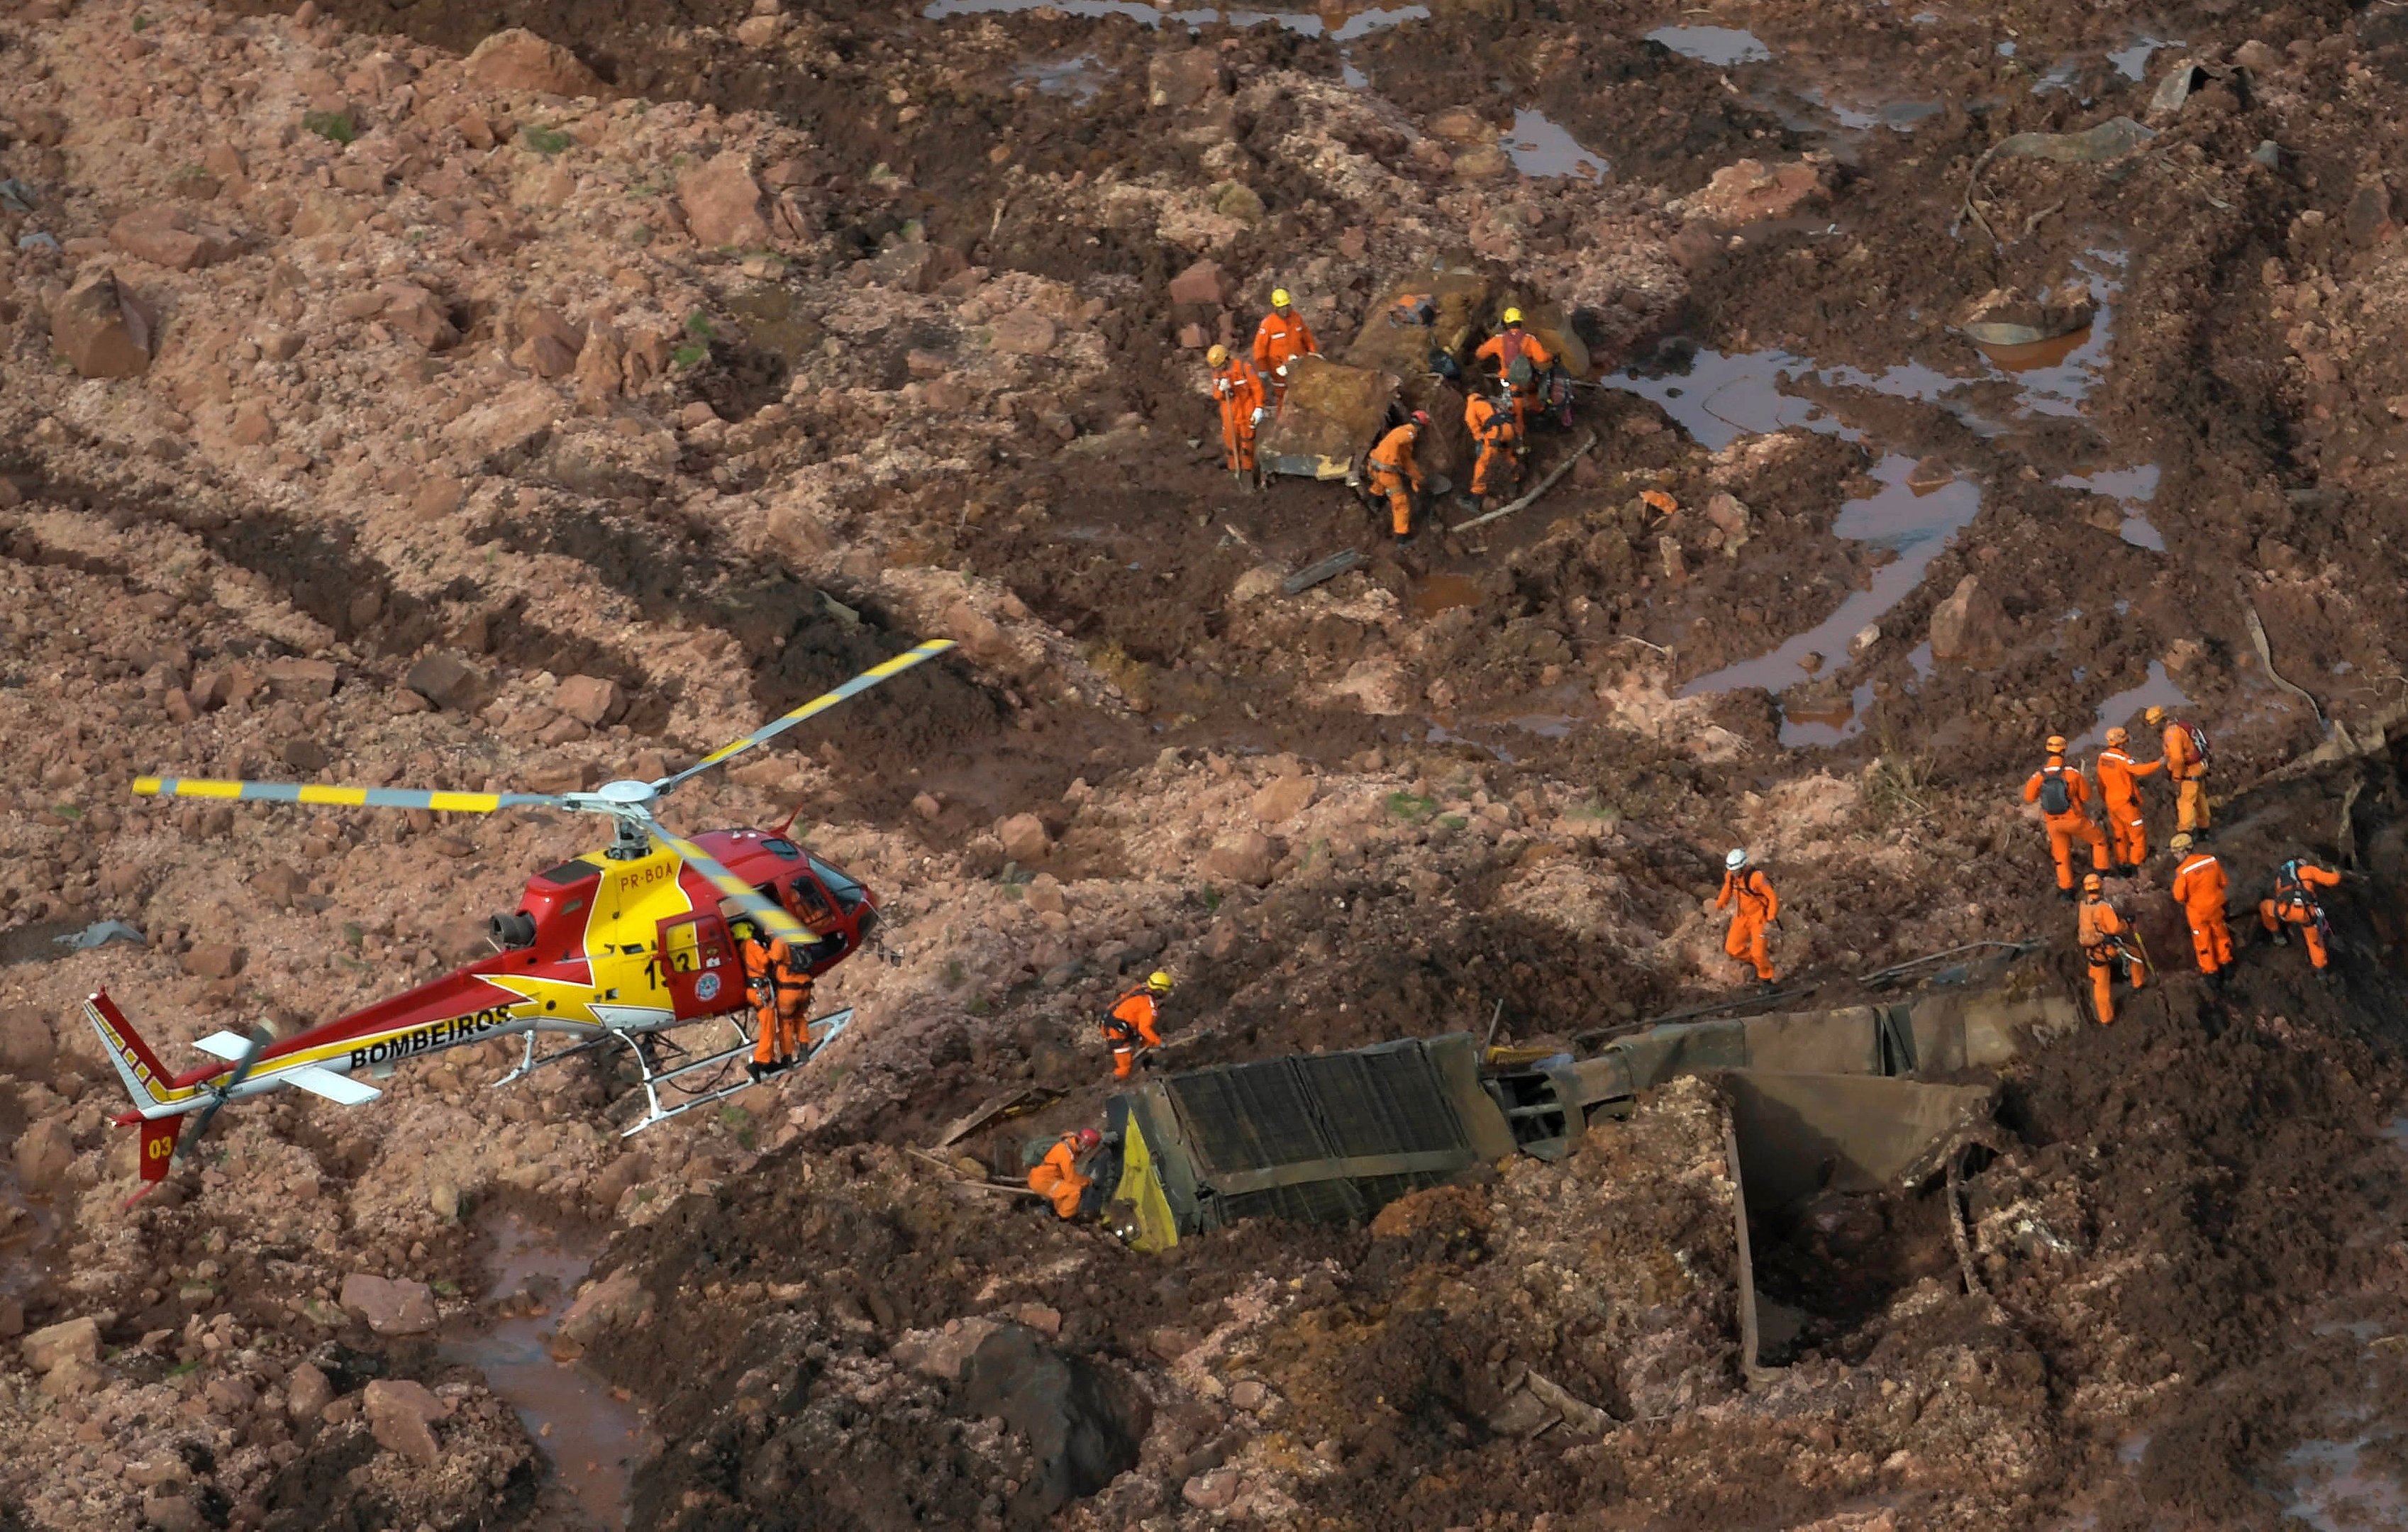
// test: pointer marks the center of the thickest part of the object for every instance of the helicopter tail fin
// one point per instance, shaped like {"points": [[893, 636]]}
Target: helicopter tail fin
{"points": [[147, 1081]]}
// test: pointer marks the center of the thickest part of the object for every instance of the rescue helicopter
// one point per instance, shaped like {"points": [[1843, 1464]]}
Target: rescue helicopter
{"points": [[614, 948]]}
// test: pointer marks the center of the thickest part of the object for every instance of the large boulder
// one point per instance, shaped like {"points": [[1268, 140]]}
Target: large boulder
{"points": [[43, 1153], [515, 59], [723, 202], [401, 1416], [1246, 857], [1083, 1424], [1024, 838], [102, 329], [1970, 627], [391, 1306], [618, 1299], [26, 1044], [48, 1350], [168, 235]]}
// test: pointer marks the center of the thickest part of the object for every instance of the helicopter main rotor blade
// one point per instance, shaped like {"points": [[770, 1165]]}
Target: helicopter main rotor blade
{"points": [[368, 798], [818, 705], [260, 1038], [743, 896]]}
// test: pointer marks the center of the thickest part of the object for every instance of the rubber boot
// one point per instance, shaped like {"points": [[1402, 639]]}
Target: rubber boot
{"points": [[2280, 939], [756, 1070]]}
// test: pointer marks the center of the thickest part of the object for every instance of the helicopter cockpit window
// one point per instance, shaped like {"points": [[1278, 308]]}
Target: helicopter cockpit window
{"points": [[811, 904], [848, 892], [781, 847]]}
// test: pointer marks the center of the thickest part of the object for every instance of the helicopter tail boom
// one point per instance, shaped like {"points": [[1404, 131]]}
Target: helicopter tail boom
{"points": [[150, 1083]]}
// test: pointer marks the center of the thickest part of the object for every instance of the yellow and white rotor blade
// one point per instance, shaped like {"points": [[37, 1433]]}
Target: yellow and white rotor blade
{"points": [[356, 797], [818, 705], [743, 896]]}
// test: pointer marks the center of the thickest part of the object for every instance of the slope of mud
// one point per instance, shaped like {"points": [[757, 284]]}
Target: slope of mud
{"points": [[1485, 780]]}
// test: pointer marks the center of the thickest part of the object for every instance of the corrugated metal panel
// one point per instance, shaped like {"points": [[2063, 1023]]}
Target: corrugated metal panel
{"points": [[1249, 1117]]}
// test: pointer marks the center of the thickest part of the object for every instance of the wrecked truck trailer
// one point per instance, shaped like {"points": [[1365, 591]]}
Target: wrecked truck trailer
{"points": [[1841, 1102], [1414, 353]]}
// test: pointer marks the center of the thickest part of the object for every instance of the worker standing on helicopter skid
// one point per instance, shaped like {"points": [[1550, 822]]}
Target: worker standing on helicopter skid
{"points": [[1522, 365], [1132, 1021], [1500, 465], [2295, 903], [2119, 776], [781, 984], [1239, 388], [1748, 892], [1056, 1176], [2063, 795], [1278, 340], [2106, 940], [1395, 476]]}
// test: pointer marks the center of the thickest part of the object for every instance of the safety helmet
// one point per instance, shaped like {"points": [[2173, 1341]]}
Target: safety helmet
{"points": [[2118, 736], [1735, 858], [1217, 355], [1512, 316], [1089, 1138], [2181, 842], [1420, 417], [1158, 981], [1279, 298], [2155, 715], [2092, 882], [2056, 744]]}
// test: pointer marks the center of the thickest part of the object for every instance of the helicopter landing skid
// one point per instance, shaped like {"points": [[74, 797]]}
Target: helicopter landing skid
{"points": [[822, 1032]]}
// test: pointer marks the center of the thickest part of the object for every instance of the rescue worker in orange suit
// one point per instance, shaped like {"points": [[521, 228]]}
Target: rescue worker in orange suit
{"points": [[1748, 892], [1131, 1022], [779, 980], [1278, 340], [2063, 795], [1522, 365], [1240, 390], [2186, 764], [2119, 776], [2107, 942], [2295, 903], [1056, 1176], [1396, 476], [1499, 463], [2199, 887]]}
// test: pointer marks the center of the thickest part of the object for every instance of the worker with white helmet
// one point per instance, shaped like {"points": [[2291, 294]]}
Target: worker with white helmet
{"points": [[1748, 892]]}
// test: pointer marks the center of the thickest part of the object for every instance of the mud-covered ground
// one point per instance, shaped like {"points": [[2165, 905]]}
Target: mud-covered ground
{"points": [[537, 418]]}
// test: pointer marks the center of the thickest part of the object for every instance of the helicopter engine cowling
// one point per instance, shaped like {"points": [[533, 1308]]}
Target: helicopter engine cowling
{"points": [[511, 930]]}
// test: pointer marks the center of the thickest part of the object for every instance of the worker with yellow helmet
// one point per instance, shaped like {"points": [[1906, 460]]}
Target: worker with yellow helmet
{"points": [[1238, 388], [1282, 337], [1522, 365], [2063, 794], [1131, 1022]]}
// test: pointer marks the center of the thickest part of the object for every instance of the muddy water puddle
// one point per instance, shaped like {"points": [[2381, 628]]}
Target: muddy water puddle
{"points": [[1545, 152], [591, 1437], [1724, 47], [1433, 593], [1719, 396]]}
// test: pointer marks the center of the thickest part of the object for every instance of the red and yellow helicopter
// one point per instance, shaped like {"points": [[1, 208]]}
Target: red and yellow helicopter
{"points": [[618, 946]]}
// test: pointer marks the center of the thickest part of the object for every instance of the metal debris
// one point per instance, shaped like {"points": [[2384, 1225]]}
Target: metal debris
{"points": [[1313, 574], [99, 934]]}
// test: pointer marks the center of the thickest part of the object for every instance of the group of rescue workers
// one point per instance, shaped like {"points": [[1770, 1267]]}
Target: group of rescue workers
{"points": [[2062, 792], [1251, 392]]}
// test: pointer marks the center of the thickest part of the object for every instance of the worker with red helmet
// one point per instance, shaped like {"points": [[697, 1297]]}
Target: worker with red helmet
{"points": [[1056, 1176], [1395, 476]]}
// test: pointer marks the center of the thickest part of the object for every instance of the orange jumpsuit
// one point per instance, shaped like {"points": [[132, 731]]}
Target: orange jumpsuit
{"points": [[2295, 901], [1280, 339], [1130, 1021], [2071, 825], [1502, 347], [1497, 468], [1759, 906], [2189, 774], [1396, 476], [2199, 887], [781, 1000], [1057, 1176], [1239, 388], [2100, 925], [2118, 777]]}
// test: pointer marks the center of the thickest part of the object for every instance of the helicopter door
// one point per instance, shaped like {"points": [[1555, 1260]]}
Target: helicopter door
{"points": [[699, 966]]}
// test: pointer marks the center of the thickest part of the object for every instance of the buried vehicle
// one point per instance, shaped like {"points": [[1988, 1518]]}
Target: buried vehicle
{"points": [[1822, 1106], [1415, 353]]}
